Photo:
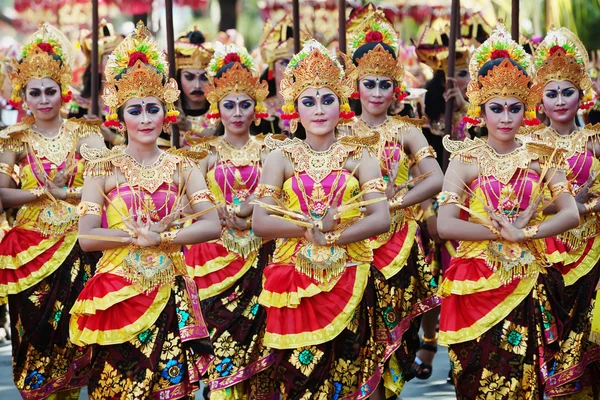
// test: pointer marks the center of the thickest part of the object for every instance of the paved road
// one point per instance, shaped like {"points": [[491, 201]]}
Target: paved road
{"points": [[434, 388]]}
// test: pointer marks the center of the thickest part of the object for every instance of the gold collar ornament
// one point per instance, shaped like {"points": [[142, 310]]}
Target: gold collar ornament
{"points": [[370, 25], [562, 57], [315, 67], [504, 80], [240, 78], [190, 55], [46, 54], [136, 69]]}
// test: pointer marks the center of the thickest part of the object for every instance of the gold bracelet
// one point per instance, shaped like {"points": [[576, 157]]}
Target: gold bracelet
{"points": [[396, 202], [203, 195], [493, 229], [424, 153], [590, 205], [447, 197], [249, 221], [428, 212], [430, 340], [73, 193], [319, 224], [264, 190], [332, 237], [89, 208], [530, 231], [561, 187], [167, 237], [10, 171], [377, 185], [38, 191]]}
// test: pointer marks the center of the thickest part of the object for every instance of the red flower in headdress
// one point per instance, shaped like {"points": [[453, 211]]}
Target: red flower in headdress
{"points": [[496, 54], [134, 57], [46, 47], [557, 49], [374, 36], [231, 57]]}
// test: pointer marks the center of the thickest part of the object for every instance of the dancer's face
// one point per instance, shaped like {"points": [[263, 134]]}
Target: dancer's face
{"points": [[144, 118], [193, 84], [43, 98], [237, 113], [319, 110], [560, 101], [462, 80], [376, 94], [504, 117]]}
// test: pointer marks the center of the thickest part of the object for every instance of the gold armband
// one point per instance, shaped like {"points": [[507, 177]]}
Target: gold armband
{"points": [[493, 229], [332, 237], [428, 212], [446, 197], [561, 187], [377, 185], [10, 171], [38, 191], [89, 208], [590, 205], [73, 193], [396, 202], [203, 195], [424, 153], [167, 237], [530, 231], [432, 340], [264, 190]]}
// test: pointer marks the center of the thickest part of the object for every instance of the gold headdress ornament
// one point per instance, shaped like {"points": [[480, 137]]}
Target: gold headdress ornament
{"points": [[108, 39], [432, 50], [190, 55], [503, 80], [562, 57], [275, 43], [137, 68], [240, 78], [370, 25], [315, 67], [46, 54]]}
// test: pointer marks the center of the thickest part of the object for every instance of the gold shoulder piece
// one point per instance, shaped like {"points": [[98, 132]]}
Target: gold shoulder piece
{"points": [[190, 156], [13, 131], [99, 160], [13, 138], [369, 141], [548, 154], [418, 122], [201, 142], [592, 130], [461, 146], [84, 127], [279, 141]]}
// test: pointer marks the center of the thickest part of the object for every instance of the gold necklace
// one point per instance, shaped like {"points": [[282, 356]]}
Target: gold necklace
{"points": [[248, 154], [318, 164], [55, 149], [149, 177]]}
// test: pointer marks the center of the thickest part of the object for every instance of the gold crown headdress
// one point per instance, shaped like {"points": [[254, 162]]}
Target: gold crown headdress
{"points": [[562, 57], [370, 25], [503, 80], [190, 55], [240, 78], [46, 54], [108, 40], [432, 50], [137, 68], [315, 67], [275, 43]]}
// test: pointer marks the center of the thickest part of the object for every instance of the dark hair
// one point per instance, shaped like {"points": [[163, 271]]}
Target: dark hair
{"points": [[488, 66], [365, 48], [195, 37], [86, 92], [270, 82], [435, 105], [227, 67]]}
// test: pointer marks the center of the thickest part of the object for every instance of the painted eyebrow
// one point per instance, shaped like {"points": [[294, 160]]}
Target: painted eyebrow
{"points": [[509, 105], [140, 106], [556, 90]]}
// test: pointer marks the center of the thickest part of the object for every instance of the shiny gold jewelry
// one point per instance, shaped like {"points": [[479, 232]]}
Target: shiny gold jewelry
{"points": [[396, 202], [248, 221], [189, 55], [89, 208], [430, 340], [591, 205], [319, 224], [38, 191], [149, 177], [447, 197], [167, 237], [377, 185], [561, 187], [428, 213], [264, 190], [73, 193], [10, 171], [530, 231], [493, 229], [332, 237], [425, 152], [203, 195]]}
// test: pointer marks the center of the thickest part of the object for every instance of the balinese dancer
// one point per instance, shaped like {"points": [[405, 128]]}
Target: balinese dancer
{"points": [[501, 313], [192, 55], [319, 297], [140, 308], [42, 267], [560, 62], [228, 272], [398, 254]]}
